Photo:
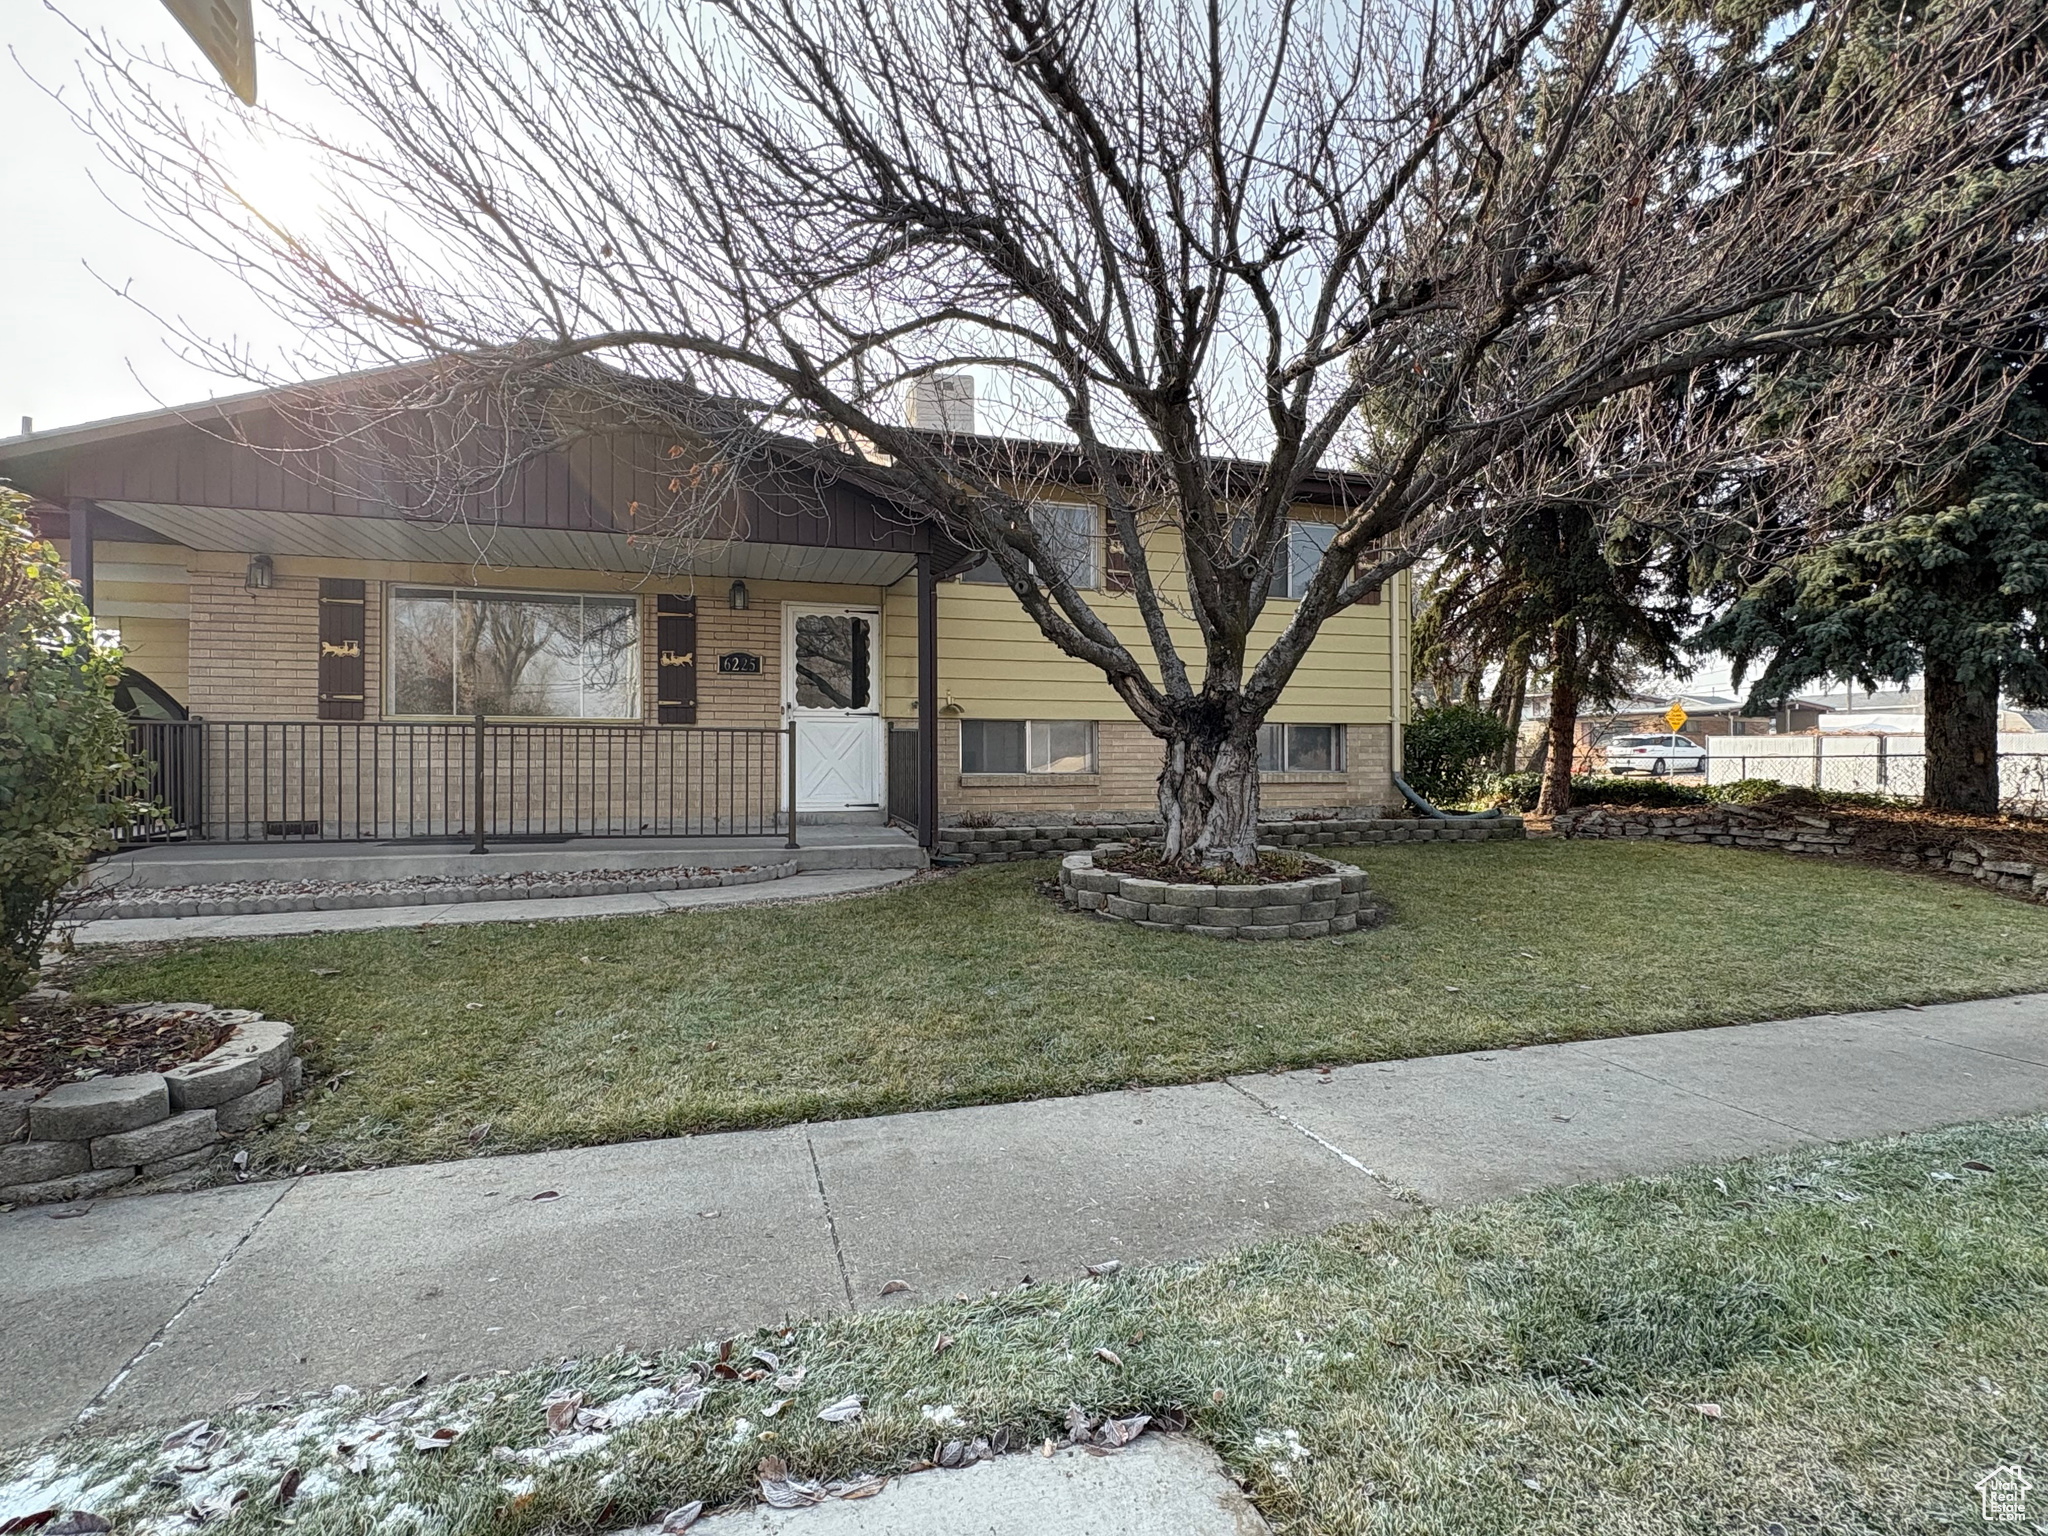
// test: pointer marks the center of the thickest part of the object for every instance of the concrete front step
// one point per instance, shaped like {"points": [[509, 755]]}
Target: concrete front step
{"points": [[819, 848]]}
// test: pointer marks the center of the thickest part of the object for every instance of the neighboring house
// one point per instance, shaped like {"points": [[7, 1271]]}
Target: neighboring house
{"points": [[1706, 714], [332, 644], [1889, 711]]}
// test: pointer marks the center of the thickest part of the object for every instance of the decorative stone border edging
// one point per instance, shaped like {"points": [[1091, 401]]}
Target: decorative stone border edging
{"points": [[85, 1138], [997, 845], [1313, 908], [626, 883], [1743, 826]]}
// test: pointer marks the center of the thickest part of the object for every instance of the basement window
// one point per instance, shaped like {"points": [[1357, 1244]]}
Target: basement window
{"points": [[1027, 746], [1301, 749]]}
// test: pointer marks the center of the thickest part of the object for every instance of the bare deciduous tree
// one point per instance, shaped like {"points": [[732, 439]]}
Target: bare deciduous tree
{"points": [[1205, 251]]}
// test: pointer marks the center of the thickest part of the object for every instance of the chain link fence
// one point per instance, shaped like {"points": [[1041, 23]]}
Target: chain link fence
{"points": [[1862, 766]]}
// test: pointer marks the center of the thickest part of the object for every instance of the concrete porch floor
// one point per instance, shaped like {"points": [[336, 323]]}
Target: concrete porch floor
{"points": [[819, 848]]}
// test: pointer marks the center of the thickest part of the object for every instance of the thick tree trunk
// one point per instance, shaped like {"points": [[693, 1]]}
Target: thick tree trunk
{"points": [[1962, 743], [1563, 734], [1209, 800]]}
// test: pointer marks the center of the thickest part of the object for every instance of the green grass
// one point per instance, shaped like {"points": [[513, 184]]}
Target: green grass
{"points": [[975, 988], [1870, 1334]]}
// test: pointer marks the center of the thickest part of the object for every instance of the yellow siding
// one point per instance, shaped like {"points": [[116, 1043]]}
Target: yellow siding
{"points": [[141, 592], [994, 663]]}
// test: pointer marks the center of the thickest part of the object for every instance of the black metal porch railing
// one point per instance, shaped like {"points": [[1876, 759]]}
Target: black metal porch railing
{"points": [[903, 774], [252, 781]]}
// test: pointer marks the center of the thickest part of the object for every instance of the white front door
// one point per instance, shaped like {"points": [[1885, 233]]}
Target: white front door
{"points": [[831, 690]]}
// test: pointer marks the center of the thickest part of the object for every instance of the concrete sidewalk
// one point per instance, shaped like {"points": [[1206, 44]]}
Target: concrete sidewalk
{"points": [[168, 1307], [800, 887]]}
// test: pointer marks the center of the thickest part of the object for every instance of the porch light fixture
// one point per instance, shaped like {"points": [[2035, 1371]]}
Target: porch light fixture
{"points": [[737, 595], [260, 572]]}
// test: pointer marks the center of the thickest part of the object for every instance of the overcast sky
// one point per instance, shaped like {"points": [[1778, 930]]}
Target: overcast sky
{"points": [[72, 348]]}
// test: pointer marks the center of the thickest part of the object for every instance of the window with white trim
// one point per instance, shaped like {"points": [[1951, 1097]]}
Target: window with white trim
{"points": [[1307, 543], [1301, 749], [533, 655], [1071, 534], [1027, 746]]}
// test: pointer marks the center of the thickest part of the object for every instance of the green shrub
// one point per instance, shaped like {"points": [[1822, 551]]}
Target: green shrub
{"points": [[64, 762], [1519, 791], [1772, 792], [1445, 749]]}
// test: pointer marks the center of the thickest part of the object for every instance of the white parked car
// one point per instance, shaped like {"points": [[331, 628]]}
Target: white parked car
{"points": [[1655, 754]]}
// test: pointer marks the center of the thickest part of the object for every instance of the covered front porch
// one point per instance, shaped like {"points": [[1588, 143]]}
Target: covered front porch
{"points": [[778, 676]]}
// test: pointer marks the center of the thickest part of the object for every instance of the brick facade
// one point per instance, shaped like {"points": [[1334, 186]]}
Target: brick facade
{"points": [[1125, 782], [254, 655]]}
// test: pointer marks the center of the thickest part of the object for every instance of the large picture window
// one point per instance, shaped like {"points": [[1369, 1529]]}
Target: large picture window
{"points": [[1027, 746], [520, 654]]}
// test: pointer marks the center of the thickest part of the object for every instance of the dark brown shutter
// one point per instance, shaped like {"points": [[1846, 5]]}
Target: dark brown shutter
{"points": [[675, 638], [1116, 566], [1363, 563], [341, 649]]}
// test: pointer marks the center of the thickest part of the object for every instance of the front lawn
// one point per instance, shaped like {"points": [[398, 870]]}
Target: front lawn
{"points": [[975, 988], [1840, 1340]]}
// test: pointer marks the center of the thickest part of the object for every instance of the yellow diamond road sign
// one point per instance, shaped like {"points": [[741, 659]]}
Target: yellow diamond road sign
{"points": [[225, 31], [1675, 717]]}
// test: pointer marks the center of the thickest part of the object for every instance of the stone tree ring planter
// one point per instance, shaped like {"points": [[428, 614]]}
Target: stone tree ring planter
{"points": [[1334, 898]]}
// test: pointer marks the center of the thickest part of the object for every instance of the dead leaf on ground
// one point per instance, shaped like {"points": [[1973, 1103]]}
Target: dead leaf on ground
{"points": [[77, 1522], [772, 1469], [437, 1440], [894, 1287], [1117, 1433], [791, 1380], [676, 1521], [1078, 1423], [287, 1488], [792, 1492], [860, 1487], [845, 1411], [1046, 1449], [325, 970], [186, 1434], [776, 1407], [689, 1397], [547, 1194], [1708, 1410], [1105, 1268], [562, 1413], [479, 1134], [1977, 1166], [1107, 1355], [944, 1343]]}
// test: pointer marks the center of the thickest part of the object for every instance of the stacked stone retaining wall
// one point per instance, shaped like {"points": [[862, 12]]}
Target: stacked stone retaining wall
{"points": [[997, 845], [85, 1138], [1743, 826], [1333, 899]]}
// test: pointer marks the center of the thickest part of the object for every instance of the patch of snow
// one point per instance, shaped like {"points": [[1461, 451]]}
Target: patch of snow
{"points": [[42, 1486], [644, 1404]]}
